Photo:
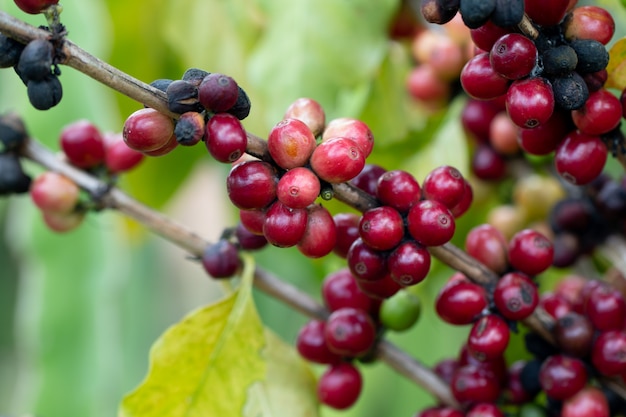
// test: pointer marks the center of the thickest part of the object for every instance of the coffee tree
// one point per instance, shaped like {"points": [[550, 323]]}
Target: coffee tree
{"points": [[435, 189]]}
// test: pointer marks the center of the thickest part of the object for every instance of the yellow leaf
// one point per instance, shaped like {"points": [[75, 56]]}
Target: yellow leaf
{"points": [[289, 388], [204, 365], [617, 66]]}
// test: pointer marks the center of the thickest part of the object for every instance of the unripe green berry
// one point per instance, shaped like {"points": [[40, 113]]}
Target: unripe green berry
{"points": [[400, 311]]}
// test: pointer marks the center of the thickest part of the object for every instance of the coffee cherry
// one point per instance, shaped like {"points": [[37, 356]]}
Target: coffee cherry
{"points": [[252, 185], [561, 377], [544, 139], [221, 259], [291, 143], [424, 84], [347, 232], [430, 223], [311, 344], [10, 51], [592, 55], [485, 36], [52, 191], [513, 56], [167, 147], [320, 234], [461, 302], [308, 111], [444, 184], [337, 160], [606, 308], [340, 386], [515, 296], [35, 6], [546, 13], [608, 353], [488, 338], [589, 22], [487, 164], [472, 384], [218, 92], [190, 128], [365, 263], [574, 333], [445, 369], [225, 137], [596, 80], [194, 75], [284, 226], [409, 263], [248, 240], [530, 102], [381, 228], [62, 222], [398, 189], [487, 244], [367, 179], [400, 311], [35, 61], [589, 401], [477, 116], [340, 290], [118, 157], [147, 130], [354, 129], [580, 158], [45, 94], [560, 60], [496, 367], [601, 113], [82, 143], [253, 220], [481, 81], [555, 304], [350, 332], [298, 188], [465, 203], [530, 252]]}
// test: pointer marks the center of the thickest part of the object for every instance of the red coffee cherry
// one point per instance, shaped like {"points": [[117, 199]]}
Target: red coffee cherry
{"points": [[608, 354], [440, 412], [530, 252], [82, 143], [298, 188], [409, 263], [367, 179], [340, 290], [308, 111], [253, 220], [320, 234], [350, 332], [398, 189], [35, 6], [580, 158], [53, 192], [291, 143], [221, 259], [530, 102], [218, 92], [340, 386], [118, 157], [589, 22], [252, 185], [487, 164], [62, 222], [312, 346], [365, 263], [381, 228], [488, 245], [574, 334], [601, 113], [606, 308], [488, 338], [148, 130], [472, 384], [225, 137], [515, 296], [480, 81], [283, 226], [461, 302], [555, 304], [444, 184], [543, 139], [347, 232], [380, 289], [248, 240], [354, 129], [486, 35], [484, 410], [589, 401], [561, 377], [430, 223], [513, 56], [337, 160], [546, 13]]}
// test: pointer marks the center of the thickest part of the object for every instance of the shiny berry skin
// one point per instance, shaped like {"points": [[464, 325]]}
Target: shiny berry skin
{"points": [[589, 22], [546, 13], [367, 179], [320, 233], [398, 189], [530, 102], [601, 113], [340, 290], [589, 401], [347, 232], [409, 263], [487, 164], [284, 226], [444, 184], [252, 185], [218, 92], [461, 302], [118, 157], [606, 308], [248, 240], [312, 346], [53, 192], [472, 384], [253, 220], [35, 6], [561, 377], [513, 56], [82, 143], [555, 304], [608, 354], [488, 338], [544, 139], [225, 137], [484, 410], [381, 228], [485, 36], [337, 160], [358, 131], [340, 386], [580, 158], [515, 296], [298, 188], [400, 311], [487, 244], [350, 332], [291, 143], [574, 334], [221, 259], [480, 81], [430, 223], [365, 263], [308, 111], [466, 201], [147, 130], [530, 252]]}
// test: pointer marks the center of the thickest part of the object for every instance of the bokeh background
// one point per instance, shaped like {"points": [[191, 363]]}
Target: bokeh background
{"points": [[79, 311]]}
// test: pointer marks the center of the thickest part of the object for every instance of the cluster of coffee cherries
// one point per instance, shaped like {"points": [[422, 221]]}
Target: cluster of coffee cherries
{"points": [[210, 107], [104, 155], [583, 220], [13, 179], [549, 80]]}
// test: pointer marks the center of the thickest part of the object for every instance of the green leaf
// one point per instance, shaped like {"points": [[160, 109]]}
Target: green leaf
{"points": [[289, 388], [204, 364], [617, 66]]}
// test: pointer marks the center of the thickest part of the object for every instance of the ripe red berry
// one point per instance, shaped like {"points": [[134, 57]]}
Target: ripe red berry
{"points": [[466, 201], [308, 111], [546, 13], [555, 304], [367, 179], [486, 35], [430, 223], [357, 130], [487, 164], [82, 143], [218, 92], [488, 338], [312, 346], [530, 252], [221, 259], [248, 240], [381, 228], [347, 232], [601, 113], [589, 401], [252, 185], [148, 130], [561, 377], [513, 56], [340, 290], [291, 143], [606, 308], [398, 189], [580, 158], [461, 302], [444, 184], [608, 354], [53, 192], [365, 263], [337, 160], [487, 244], [350, 332], [409, 263], [515, 296], [476, 118], [253, 220], [544, 139], [225, 137], [589, 22], [118, 157], [340, 386], [530, 102], [320, 233], [480, 81], [35, 6], [283, 226], [298, 188], [472, 384], [574, 334], [440, 412]]}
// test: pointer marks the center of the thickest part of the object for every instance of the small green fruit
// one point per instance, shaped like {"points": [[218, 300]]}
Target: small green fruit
{"points": [[401, 311]]}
